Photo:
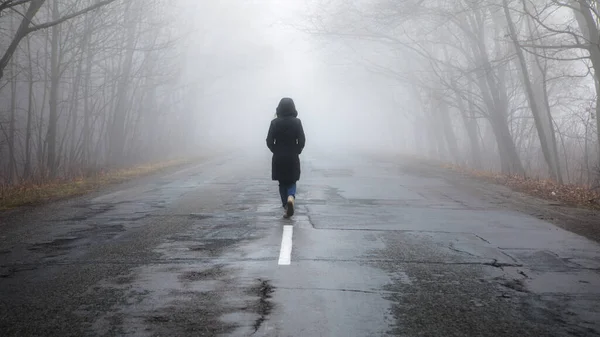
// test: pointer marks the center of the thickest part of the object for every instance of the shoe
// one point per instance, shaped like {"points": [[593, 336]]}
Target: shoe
{"points": [[290, 206], [285, 212]]}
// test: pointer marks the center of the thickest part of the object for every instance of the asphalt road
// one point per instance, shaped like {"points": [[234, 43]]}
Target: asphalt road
{"points": [[376, 249]]}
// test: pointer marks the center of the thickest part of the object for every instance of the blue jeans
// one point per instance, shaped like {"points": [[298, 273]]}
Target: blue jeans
{"points": [[285, 190]]}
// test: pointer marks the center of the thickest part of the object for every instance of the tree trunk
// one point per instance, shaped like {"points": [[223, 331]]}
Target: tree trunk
{"points": [[53, 103], [450, 136], [87, 133], [12, 165], [41, 144], [75, 108], [586, 152], [27, 167], [548, 148], [540, 86], [510, 162], [117, 134], [494, 100], [589, 28], [22, 31], [471, 128]]}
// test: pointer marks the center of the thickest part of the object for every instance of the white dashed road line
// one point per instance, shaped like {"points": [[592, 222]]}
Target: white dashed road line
{"points": [[285, 254]]}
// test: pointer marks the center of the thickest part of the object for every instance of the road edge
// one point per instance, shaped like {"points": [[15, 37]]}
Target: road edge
{"points": [[581, 221]]}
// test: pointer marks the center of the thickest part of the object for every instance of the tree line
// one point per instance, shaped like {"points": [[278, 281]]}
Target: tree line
{"points": [[505, 85], [88, 85]]}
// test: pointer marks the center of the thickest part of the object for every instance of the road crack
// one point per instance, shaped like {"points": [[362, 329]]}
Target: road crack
{"points": [[264, 291], [482, 239], [310, 220], [501, 265], [453, 248]]}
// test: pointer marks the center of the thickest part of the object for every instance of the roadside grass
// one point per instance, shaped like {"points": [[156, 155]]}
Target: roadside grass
{"points": [[31, 194], [568, 194]]}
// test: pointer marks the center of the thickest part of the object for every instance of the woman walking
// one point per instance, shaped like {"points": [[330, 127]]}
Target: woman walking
{"points": [[286, 141]]}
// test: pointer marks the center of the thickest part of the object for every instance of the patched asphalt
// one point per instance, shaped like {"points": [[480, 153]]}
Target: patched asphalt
{"points": [[379, 248]]}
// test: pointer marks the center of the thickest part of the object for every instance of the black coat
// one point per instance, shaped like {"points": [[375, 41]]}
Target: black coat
{"points": [[286, 141]]}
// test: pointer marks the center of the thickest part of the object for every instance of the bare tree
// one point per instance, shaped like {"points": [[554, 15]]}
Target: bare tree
{"points": [[96, 90], [571, 40], [27, 26], [463, 22], [542, 117]]}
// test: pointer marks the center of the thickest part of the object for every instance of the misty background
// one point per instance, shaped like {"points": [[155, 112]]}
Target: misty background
{"points": [[507, 86]]}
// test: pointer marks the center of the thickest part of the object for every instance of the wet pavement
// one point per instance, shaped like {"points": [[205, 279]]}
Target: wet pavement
{"points": [[376, 248]]}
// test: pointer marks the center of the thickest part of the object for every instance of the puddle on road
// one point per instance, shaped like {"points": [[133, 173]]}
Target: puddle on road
{"points": [[182, 296], [184, 299]]}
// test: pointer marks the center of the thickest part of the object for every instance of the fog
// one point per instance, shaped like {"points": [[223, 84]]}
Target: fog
{"points": [[268, 57], [491, 85]]}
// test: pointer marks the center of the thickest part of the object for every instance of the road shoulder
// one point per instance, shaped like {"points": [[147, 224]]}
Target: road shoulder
{"points": [[581, 221]]}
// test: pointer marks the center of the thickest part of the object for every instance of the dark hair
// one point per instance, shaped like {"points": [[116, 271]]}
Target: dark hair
{"points": [[286, 107]]}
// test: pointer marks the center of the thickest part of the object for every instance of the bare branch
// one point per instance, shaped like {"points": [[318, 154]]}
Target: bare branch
{"points": [[11, 3], [70, 16]]}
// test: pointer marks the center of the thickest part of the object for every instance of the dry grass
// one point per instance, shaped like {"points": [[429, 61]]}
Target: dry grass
{"points": [[34, 194], [568, 194]]}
